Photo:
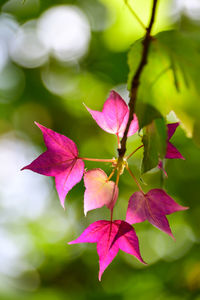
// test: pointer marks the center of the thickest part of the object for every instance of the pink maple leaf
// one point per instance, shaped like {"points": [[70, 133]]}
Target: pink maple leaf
{"points": [[59, 160], [114, 116], [172, 152], [110, 237], [99, 191], [153, 207]]}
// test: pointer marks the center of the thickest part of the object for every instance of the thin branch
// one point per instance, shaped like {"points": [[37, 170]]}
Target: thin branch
{"points": [[116, 184], [134, 151], [111, 175], [136, 79], [135, 179], [98, 159], [134, 14]]}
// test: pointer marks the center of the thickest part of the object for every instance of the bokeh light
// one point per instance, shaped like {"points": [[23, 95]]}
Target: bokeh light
{"points": [[65, 32], [188, 7], [27, 49]]}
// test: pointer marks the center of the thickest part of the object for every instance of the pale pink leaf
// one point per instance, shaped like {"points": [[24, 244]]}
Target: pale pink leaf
{"points": [[99, 191]]}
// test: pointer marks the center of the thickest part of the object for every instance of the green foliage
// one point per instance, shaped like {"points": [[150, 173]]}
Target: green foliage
{"points": [[183, 55], [154, 140], [146, 113], [170, 76], [196, 132], [134, 57]]}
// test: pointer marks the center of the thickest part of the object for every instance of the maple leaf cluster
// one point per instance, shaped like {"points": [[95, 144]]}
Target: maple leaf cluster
{"points": [[62, 161]]}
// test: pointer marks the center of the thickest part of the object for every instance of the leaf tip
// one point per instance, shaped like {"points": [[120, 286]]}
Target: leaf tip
{"points": [[25, 168], [37, 124], [144, 262], [85, 212], [62, 202], [100, 274], [86, 107], [173, 237], [185, 207]]}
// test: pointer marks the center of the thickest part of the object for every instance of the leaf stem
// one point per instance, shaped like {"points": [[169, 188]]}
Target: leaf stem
{"points": [[118, 141], [97, 159], [135, 179], [111, 174], [117, 181], [134, 151], [134, 14], [136, 79]]}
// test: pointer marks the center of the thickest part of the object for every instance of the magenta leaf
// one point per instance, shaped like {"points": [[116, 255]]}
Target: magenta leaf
{"points": [[59, 160], [110, 237], [153, 207], [99, 191], [172, 152], [114, 116], [161, 167]]}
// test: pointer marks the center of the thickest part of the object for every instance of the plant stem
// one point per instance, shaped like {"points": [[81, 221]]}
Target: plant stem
{"points": [[134, 14], [117, 181], [97, 159], [134, 151], [135, 179], [136, 78], [111, 175]]}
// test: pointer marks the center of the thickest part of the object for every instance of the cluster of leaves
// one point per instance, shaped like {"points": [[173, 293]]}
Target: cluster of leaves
{"points": [[62, 161], [174, 61]]}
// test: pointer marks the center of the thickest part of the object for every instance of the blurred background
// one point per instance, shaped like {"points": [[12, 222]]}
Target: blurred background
{"points": [[55, 55]]}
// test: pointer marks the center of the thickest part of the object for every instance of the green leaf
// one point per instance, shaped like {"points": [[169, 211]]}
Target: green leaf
{"points": [[174, 70], [134, 57], [183, 53], [146, 113], [196, 133], [154, 140]]}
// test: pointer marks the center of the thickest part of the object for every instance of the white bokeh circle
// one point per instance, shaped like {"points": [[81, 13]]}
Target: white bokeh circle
{"points": [[65, 31]]}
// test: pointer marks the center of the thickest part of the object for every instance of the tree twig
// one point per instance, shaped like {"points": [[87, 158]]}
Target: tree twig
{"points": [[136, 79], [134, 14]]}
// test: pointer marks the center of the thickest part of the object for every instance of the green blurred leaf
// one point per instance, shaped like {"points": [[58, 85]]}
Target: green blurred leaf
{"points": [[196, 133], [154, 141], [134, 57], [174, 70], [146, 113], [183, 53]]}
